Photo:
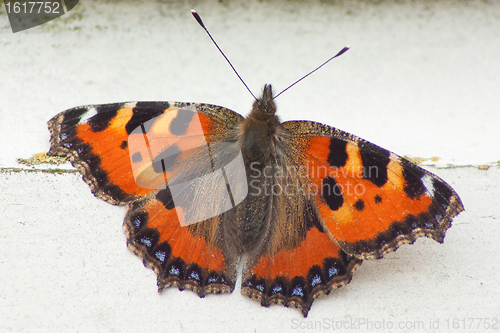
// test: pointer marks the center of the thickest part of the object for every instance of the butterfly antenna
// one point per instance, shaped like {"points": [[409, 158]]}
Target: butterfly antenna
{"points": [[323, 64], [198, 19]]}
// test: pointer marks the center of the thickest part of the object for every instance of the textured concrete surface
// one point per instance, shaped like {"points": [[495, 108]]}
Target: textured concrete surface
{"points": [[421, 79]]}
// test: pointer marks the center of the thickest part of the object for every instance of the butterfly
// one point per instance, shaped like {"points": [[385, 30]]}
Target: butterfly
{"points": [[305, 203]]}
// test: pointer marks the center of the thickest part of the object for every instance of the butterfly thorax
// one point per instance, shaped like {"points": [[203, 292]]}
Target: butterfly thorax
{"points": [[260, 127]]}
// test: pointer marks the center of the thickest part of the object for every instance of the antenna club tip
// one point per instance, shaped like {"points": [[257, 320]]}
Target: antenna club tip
{"points": [[348, 47], [197, 17]]}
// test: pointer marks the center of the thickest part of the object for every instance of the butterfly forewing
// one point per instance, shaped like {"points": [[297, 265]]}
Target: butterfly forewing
{"points": [[371, 200]]}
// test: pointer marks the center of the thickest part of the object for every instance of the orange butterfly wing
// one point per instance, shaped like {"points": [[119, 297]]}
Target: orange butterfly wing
{"points": [[371, 200], [104, 143]]}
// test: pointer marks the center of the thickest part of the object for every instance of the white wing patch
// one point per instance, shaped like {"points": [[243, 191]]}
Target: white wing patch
{"points": [[427, 181], [91, 111]]}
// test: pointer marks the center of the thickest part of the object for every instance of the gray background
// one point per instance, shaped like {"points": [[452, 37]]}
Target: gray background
{"points": [[422, 79]]}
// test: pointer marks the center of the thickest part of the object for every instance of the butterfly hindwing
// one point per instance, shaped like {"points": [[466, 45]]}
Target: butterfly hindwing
{"points": [[295, 275], [369, 199], [194, 257]]}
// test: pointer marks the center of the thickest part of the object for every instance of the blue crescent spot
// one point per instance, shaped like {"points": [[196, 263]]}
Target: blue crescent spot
{"points": [[315, 280], [332, 271], [298, 291], [277, 289], [146, 241], [174, 271], [161, 255]]}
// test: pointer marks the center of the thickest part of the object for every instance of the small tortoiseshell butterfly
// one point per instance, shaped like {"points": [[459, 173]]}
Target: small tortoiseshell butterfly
{"points": [[304, 201]]}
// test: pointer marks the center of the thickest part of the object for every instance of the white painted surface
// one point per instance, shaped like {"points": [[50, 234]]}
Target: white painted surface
{"points": [[421, 79]]}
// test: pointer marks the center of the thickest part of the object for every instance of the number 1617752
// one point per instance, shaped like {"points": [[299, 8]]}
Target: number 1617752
{"points": [[32, 7]]}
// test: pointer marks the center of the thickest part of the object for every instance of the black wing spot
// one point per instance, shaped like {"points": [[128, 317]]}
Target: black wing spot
{"points": [[332, 193], [378, 199], [375, 161], [338, 153], [137, 157], [412, 175], [359, 205], [180, 124], [165, 197], [142, 114], [124, 145]]}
